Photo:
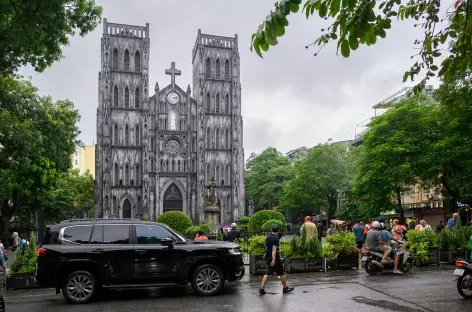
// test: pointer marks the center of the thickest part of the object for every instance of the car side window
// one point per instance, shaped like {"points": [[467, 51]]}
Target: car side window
{"points": [[149, 234], [116, 234], [79, 234], [97, 235]]}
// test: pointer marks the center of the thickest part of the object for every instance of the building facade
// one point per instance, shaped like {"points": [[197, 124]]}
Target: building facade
{"points": [[157, 152], [83, 158]]}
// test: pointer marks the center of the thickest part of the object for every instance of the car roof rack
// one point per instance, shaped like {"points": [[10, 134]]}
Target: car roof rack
{"points": [[97, 219]]}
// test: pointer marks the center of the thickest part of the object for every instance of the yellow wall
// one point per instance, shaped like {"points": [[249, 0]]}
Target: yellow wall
{"points": [[83, 159]]}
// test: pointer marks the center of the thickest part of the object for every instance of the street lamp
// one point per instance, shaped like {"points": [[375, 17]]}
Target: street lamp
{"points": [[85, 209]]}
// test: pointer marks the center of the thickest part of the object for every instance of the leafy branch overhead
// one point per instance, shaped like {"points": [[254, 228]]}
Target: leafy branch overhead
{"points": [[447, 36]]}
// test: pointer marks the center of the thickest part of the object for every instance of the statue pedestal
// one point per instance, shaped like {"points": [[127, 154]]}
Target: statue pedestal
{"points": [[212, 216]]}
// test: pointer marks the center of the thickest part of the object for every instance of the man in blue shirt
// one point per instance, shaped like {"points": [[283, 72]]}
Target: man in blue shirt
{"points": [[358, 230], [274, 264], [452, 221]]}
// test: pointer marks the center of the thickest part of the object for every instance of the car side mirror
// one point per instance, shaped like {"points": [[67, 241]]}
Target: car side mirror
{"points": [[166, 241]]}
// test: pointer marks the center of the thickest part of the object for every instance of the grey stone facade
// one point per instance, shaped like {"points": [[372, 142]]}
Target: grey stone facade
{"points": [[157, 153]]}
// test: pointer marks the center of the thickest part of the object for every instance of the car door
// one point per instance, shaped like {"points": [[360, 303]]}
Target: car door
{"points": [[153, 262], [110, 248]]}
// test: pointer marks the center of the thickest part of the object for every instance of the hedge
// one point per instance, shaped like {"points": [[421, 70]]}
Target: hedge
{"points": [[177, 220], [259, 218]]}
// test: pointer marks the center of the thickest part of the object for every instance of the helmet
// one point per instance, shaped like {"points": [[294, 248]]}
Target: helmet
{"points": [[375, 225], [275, 228], [382, 226], [233, 225]]}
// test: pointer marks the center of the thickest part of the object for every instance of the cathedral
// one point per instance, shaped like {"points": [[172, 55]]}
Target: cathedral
{"points": [[158, 150]]}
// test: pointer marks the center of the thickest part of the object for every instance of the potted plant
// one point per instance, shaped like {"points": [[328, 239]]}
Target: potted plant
{"points": [[21, 274], [257, 249], [454, 243], [341, 251], [423, 245], [304, 255]]}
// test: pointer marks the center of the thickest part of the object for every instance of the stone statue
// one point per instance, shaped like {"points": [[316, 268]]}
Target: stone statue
{"points": [[212, 199]]}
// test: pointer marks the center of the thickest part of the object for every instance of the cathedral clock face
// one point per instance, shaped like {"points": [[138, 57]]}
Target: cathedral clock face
{"points": [[173, 98]]}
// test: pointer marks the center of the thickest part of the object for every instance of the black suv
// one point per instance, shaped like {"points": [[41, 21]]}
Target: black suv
{"points": [[80, 257]]}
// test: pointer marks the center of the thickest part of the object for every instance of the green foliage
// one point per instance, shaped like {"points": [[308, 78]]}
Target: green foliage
{"points": [[265, 176], [457, 238], [143, 218], [267, 226], [302, 247], [205, 228], [193, 230], [25, 261], [34, 31], [412, 224], [339, 243], [419, 243], [257, 245], [242, 223], [259, 218], [219, 236], [177, 220], [359, 22]]}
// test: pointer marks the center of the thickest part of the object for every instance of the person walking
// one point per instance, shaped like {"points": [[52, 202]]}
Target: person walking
{"points": [[310, 228], [440, 226], [16, 244], [233, 234], [274, 264], [358, 231]]}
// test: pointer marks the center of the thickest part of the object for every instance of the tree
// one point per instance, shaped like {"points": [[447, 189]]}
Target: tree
{"points": [[34, 31], [364, 21], [319, 180], [394, 151], [37, 138], [265, 176]]}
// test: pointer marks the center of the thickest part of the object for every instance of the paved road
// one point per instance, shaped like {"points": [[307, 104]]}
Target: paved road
{"points": [[432, 290]]}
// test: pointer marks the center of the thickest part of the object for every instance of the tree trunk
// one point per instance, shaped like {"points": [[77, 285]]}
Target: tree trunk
{"points": [[6, 221], [400, 206]]}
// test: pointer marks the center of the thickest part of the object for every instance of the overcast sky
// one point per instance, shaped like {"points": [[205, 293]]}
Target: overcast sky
{"points": [[289, 99]]}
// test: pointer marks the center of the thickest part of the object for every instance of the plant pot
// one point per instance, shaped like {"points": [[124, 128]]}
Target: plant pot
{"points": [[21, 281], [347, 262], [301, 265], [456, 254], [257, 265], [434, 257], [444, 255]]}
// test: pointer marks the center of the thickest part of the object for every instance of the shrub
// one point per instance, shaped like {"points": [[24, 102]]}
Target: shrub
{"points": [[219, 235], [305, 248], [340, 243], [259, 218], [25, 261], [457, 238], [177, 220], [419, 243], [257, 245], [267, 226], [205, 228], [192, 231], [242, 223], [411, 224]]}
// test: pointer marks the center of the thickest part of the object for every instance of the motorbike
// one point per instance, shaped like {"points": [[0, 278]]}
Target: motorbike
{"points": [[372, 260], [463, 274]]}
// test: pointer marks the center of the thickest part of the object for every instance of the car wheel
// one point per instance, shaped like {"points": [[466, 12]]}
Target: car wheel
{"points": [[208, 280], [80, 287]]}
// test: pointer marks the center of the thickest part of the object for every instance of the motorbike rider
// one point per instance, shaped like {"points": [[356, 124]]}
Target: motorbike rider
{"points": [[373, 242], [386, 238]]}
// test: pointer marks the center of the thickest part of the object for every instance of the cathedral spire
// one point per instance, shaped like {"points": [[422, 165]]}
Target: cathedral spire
{"points": [[156, 88], [188, 89]]}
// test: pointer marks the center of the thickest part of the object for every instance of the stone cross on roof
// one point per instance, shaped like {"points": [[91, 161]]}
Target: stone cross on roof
{"points": [[172, 71]]}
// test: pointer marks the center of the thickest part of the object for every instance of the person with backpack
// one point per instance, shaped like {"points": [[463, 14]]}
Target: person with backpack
{"points": [[274, 264]]}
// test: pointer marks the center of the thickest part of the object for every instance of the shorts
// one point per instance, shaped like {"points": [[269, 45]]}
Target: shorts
{"points": [[277, 269], [359, 244], [384, 248]]}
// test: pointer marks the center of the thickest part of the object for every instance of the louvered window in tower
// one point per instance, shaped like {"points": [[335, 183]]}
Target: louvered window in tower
{"points": [[208, 145], [115, 135], [126, 97], [136, 139], [137, 61], [227, 104], [126, 60], [137, 174], [208, 68], [116, 172], [126, 174], [227, 70], [208, 103], [227, 139], [218, 69], [126, 135], [115, 59], [115, 96], [217, 104], [137, 96], [217, 138]]}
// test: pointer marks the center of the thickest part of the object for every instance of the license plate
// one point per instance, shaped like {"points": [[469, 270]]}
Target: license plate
{"points": [[364, 258], [459, 272]]}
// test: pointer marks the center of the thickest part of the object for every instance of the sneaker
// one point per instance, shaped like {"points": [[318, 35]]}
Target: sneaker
{"points": [[288, 289], [262, 291]]}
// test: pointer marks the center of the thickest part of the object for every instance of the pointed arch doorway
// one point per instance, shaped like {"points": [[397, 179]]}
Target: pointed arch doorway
{"points": [[173, 199], [126, 209]]}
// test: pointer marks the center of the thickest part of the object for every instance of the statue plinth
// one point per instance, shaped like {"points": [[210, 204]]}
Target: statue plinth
{"points": [[211, 207]]}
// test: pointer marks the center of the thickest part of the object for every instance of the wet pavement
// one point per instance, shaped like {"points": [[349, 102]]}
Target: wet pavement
{"points": [[421, 290]]}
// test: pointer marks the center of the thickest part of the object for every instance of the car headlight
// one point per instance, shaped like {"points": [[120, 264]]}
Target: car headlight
{"points": [[235, 251]]}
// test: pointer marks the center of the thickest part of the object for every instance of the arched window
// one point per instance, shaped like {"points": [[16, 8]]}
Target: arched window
{"points": [[208, 145], [115, 135], [227, 139], [208, 68], [126, 135], [178, 165], [126, 174], [136, 98], [126, 60], [140, 205], [113, 206], [126, 97], [222, 176], [218, 69], [115, 96], [167, 165], [208, 103], [227, 70], [162, 166], [137, 174], [227, 104], [217, 138], [117, 174], [217, 104], [137, 61], [115, 59], [194, 168], [136, 139], [173, 165], [172, 121]]}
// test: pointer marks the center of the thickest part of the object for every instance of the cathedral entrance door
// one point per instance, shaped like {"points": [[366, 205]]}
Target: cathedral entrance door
{"points": [[126, 209], [173, 199]]}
